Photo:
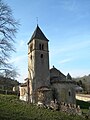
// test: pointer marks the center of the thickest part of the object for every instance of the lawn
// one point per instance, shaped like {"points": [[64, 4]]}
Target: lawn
{"points": [[13, 109]]}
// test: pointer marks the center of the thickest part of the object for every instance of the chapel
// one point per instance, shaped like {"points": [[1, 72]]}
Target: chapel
{"points": [[44, 84]]}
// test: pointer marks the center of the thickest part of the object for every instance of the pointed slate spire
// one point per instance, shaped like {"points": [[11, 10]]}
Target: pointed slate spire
{"points": [[38, 34]]}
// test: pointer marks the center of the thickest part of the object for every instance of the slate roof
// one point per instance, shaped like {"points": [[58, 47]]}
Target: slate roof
{"points": [[56, 75], [60, 78], [38, 34], [55, 69]]}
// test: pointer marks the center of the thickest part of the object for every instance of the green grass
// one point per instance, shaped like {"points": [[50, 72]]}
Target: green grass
{"points": [[13, 109]]}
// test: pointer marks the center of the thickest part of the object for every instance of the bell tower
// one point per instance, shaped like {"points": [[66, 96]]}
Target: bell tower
{"points": [[38, 62]]}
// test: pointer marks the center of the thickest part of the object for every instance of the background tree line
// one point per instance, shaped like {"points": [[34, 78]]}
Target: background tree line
{"points": [[84, 82]]}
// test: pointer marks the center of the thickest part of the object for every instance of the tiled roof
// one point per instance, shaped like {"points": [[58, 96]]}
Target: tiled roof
{"points": [[38, 34]]}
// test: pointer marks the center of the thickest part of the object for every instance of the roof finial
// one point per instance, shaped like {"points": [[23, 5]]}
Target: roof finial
{"points": [[53, 66], [37, 20]]}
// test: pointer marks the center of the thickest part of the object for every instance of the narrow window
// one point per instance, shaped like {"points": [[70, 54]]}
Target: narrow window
{"points": [[39, 46], [31, 57], [42, 46], [31, 48], [69, 93], [41, 55]]}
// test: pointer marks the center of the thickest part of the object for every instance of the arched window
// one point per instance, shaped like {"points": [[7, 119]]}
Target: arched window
{"points": [[69, 93], [41, 55], [31, 47], [39, 46], [31, 57], [42, 46]]}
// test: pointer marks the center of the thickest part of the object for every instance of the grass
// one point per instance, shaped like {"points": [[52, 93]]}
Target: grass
{"points": [[13, 109]]}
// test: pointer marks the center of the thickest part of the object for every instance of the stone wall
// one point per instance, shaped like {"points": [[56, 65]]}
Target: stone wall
{"points": [[23, 93], [65, 92]]}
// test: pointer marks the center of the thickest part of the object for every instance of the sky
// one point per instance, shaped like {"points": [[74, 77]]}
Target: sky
{"points": [[66, 23]]}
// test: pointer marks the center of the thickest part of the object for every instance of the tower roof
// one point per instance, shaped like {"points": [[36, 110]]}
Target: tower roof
{"points": [[38, 34]]}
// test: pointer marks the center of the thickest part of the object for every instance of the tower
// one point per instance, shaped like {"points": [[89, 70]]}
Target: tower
{"points": [[38, 63]]}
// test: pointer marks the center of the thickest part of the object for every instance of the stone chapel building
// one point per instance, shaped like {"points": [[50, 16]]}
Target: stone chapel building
{"points": [[44, 84]]}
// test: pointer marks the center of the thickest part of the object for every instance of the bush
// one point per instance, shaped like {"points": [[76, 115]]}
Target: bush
{"points": [[83, 104], [9, 92]]}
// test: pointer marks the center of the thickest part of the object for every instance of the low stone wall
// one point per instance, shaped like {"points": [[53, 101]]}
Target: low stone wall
{"points": [[70, 109]]}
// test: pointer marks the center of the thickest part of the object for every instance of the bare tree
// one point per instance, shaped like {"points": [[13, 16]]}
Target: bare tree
{"points": [[8, 29], [9, 73]]}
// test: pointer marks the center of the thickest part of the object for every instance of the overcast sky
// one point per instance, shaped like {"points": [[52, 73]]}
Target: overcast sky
{"points": [[66, 23]]}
